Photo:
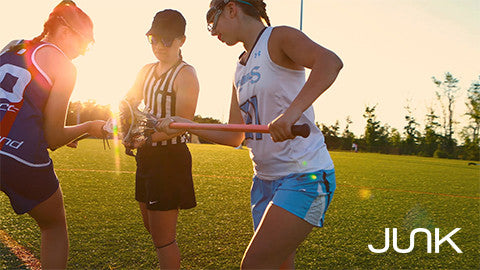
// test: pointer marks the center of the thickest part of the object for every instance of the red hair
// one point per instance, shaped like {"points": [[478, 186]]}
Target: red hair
{"points": [[68, 14]]}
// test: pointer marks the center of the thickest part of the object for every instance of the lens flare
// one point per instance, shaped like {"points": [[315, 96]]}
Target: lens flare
{"points": [[365, 194], [304, 163], [418, 217], [116, 143], [313, 177]]}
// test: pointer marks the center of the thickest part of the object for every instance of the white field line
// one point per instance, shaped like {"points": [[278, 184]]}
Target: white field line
{"points": [[22, 253]]}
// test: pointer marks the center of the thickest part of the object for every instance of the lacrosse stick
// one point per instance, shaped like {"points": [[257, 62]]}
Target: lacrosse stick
{"points": [[135, 125], [297, 130]]}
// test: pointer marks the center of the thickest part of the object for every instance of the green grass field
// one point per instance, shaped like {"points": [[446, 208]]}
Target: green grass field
{"points": [[374, 192]]}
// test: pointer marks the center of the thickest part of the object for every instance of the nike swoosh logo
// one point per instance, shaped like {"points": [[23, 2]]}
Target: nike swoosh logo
{"points": [[152, 202]]}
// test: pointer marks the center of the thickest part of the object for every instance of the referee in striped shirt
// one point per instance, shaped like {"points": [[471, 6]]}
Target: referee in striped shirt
{"points": [[168, 87]]}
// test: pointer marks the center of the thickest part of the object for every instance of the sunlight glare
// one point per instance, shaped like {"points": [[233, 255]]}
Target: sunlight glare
{"points": [[116, 142], [365, 194]]}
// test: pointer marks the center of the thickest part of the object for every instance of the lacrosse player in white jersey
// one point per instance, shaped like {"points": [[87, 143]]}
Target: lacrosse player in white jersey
{"points": [[294, 178]]}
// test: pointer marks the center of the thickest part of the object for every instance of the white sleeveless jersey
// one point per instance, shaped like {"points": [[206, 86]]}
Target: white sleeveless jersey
{"points": [[265, 90]]}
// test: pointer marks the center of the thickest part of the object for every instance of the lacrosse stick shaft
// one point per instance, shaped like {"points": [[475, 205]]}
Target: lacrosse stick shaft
{"points": [[297, 130]]}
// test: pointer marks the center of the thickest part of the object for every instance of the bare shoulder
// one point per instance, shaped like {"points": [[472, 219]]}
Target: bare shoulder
{"points": [[188, 71], [54, 63], [146, 68], [283, 33], [186, 78], [282, 40]]}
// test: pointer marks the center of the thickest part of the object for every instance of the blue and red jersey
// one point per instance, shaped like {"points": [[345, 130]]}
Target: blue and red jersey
{"points": [[24, 92]]}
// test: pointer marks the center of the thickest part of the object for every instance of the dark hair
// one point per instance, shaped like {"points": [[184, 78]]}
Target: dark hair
{"points": [[169, 24], [253, 8], [257, 10]]}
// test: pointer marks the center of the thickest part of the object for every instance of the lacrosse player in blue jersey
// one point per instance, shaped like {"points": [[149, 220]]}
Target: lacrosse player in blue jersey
{"points": [[36, 80], [294, 178]]}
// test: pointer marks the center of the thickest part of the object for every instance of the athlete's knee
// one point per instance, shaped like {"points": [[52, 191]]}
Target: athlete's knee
{"points": [[52, 224], [161, 236], [161, 240], [165, 245]]}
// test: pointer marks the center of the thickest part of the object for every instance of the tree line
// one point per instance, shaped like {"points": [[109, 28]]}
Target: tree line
{"points": [[436, 139]]}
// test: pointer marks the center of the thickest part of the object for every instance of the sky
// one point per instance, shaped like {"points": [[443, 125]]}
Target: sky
{"points": [[390, 50]]}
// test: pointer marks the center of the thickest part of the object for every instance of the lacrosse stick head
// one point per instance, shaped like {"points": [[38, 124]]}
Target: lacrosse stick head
{"points": [[130, 124]]}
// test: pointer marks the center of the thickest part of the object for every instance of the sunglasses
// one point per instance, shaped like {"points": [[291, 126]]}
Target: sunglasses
{"points": [[88, 42], [213, 14], [154, 39], [74, 29]]}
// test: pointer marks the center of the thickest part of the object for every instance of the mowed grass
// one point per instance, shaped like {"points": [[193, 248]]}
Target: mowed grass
{"points": [[374, 192]]}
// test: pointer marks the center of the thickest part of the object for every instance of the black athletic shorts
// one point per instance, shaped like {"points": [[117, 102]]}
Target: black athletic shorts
{"points": [[164, 177], [26, 186]]}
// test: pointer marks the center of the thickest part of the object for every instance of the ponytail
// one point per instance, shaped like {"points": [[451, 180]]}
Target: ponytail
{"points": [[39, 38], [256, 9], [62, 12]]}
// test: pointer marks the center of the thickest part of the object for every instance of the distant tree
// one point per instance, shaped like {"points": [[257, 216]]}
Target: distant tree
{"points": [[325, 130], [470, 133], [446, 97], [79, 112], [335, 128], [330, 133], [372, 129], [347, 135], [200, 119], [383, 145], [470, 149], [395, 141], [473, 106], [411, 133], [74, 113], [430, 138], [205, 120]]}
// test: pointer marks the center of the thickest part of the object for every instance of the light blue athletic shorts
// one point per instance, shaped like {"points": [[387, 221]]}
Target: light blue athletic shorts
{"points": [[306, 195]]}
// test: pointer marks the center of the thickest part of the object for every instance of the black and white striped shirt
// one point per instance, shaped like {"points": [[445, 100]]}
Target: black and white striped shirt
{"points": [[159, 97]]}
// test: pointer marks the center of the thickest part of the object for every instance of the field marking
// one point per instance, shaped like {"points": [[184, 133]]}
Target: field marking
{"points": [[340, 185], [90, 170], [22, 253]]}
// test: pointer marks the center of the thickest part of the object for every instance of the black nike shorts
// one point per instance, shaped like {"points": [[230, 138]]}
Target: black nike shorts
{"points": [[164, 177]]}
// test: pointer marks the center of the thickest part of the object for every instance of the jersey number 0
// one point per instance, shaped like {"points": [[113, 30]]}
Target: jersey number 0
{"points": [[13, 81]]}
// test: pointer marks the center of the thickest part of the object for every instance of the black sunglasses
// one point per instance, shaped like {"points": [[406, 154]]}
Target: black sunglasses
{"points": [[214, 13], [154, 39]]}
